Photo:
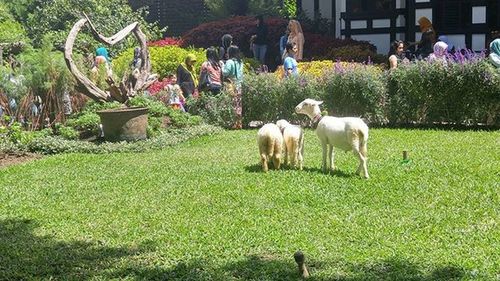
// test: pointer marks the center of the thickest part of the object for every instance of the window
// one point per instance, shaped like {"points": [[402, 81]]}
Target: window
{"points": [[367, 6], [453, 15]]}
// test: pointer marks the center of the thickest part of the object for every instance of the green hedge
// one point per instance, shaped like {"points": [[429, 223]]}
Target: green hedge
{"points": [[432, 92], [164, 60], [421, 92]]}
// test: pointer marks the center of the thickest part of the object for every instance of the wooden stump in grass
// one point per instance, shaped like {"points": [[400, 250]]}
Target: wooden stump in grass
{"points": [[300, 260]]}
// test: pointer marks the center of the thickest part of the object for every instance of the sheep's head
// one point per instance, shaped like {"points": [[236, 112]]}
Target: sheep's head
{"points": [[309, 107], [282, 124]]}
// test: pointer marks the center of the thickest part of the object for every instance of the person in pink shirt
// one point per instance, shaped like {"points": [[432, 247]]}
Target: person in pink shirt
{"points": [[211, 73]]}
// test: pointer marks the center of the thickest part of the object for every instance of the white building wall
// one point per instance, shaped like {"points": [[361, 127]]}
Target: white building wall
{"points": [[382, 41]]}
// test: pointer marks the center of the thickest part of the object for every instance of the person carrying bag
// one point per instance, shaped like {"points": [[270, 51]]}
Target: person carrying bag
{"points": [[211, 73]]}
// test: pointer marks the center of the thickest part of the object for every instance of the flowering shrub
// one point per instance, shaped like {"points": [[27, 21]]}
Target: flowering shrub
{"points": [[355, 90], [167, 41], [356, 53], [320, 46], [463, 92], [314, 68], [268, 98], [215, 110], [241, 28], [459, 91]]}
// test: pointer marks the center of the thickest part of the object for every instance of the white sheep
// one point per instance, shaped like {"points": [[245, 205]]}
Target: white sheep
{"points": [[294, 143], [270, 141], [348, 133]]}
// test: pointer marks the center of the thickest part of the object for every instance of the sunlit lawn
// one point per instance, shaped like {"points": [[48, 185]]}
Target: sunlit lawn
{"points": [[204, 211]]}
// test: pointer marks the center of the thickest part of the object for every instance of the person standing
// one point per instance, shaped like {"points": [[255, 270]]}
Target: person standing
{"points": [[227, 41], [260, 42], [211, 73], [428, 39], [233, 72], [283, 41], [290, 64], [186, 76], [296, 37]]}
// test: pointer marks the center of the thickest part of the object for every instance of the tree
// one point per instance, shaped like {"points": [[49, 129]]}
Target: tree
{"points": [[227, 8], [54, 19]]}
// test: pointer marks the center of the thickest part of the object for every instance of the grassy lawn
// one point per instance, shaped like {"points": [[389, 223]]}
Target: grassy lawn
{"points": [[204, 211]]}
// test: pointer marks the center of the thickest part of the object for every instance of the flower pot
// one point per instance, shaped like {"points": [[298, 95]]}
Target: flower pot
{"points": [[124, 124]]}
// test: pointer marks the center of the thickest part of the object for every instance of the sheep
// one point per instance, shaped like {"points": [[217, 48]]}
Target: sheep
{"points": [[294, 143], [348, 133], [270, 141]]}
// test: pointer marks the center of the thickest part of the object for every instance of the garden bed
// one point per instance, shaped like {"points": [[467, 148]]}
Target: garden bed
{"points": [[8, 159]]}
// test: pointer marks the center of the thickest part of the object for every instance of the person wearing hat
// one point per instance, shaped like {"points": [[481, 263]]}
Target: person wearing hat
{"points": [[186, 76]]}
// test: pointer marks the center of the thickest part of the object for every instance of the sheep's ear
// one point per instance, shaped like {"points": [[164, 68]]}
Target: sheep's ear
{"points": [[319, 102]]}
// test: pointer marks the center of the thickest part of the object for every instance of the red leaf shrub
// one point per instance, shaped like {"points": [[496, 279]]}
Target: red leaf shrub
{"points": [[167, 41], [158, 85], [319, 46], [243, 27]]}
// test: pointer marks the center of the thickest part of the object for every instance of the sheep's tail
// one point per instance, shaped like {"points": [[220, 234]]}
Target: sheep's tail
{"points": [[363, 140], [271, 143]]}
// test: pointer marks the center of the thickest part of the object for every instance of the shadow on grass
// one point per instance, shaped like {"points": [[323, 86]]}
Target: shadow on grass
{"points": [[26, 256], [265, 267], [396, 269], [256, 168], [250, 268], [335, 173]]}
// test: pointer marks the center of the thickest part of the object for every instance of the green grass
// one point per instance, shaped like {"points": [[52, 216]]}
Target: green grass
{"points": [[204, 211]]}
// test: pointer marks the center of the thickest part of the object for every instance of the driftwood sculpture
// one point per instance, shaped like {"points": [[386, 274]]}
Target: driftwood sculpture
{"points": [[140, 79]]}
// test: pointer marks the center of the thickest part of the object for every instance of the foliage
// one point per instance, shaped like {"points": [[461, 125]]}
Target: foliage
{"points": [[316, 46], [241, 28], [355, 90], [466, 92], [319, 46], [227, 8], [157, 109], [11, 83], [16, 134], [268, 98], [289, 9], [422, 92], [11, 31], [56, 145], [54, 19], [214, 109], [167, 41], [87, 121], [202, 210], [164, 60], [66, 132], [45, 71], [356, 54]]}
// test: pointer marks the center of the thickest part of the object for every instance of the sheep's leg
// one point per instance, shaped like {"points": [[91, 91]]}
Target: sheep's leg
{"points": [[277, 160], [294, 147], [332, 155], [301, 154], [263, 160], [362, 162], [324, 147], [285, 146]]}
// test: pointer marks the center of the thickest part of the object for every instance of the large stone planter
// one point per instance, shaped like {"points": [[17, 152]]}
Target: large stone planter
{"points": [[129, 123]]}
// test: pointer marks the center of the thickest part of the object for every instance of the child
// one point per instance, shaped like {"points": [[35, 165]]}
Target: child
{"points": [[174, 96]]}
